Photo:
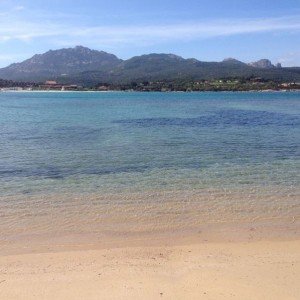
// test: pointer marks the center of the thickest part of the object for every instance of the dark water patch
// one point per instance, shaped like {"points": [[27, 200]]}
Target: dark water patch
{"points": [[117, 170], [56, 173], [27, 192], [76, 132], [61, 134], [50, 172], [11, 173], [221, 118]]}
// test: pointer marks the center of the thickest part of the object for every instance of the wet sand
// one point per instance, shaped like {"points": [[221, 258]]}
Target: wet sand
{"points": [[203, 270]]}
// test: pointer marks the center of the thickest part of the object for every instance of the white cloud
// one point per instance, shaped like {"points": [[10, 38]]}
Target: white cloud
{"points": [[17, 28]]}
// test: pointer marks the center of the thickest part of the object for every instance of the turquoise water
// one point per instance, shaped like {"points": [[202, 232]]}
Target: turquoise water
{"points": [[108, 160]]}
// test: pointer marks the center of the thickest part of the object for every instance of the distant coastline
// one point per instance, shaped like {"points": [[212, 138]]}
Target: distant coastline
{"points": [[238, 85], [7, 90]]}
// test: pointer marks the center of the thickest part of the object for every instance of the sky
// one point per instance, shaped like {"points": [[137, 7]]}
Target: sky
{"points": [[208, 30]]}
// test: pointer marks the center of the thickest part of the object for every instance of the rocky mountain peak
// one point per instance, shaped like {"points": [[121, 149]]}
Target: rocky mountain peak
{"points": [[262, 63]]}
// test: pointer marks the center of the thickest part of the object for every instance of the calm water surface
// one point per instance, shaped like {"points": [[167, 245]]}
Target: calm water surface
{"points": [[93, 162]]}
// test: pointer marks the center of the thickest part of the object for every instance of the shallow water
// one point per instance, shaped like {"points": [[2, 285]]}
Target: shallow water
{"points": [[126, 162]]}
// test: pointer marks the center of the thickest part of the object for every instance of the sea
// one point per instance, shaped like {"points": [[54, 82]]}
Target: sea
{"points": [[103, 164]]}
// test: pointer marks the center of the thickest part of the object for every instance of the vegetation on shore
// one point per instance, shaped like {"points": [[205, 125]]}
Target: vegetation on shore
{"points": [[229, 85]]}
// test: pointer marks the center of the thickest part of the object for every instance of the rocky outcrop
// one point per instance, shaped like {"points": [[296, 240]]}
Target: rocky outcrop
{"points": [[262, 63]]}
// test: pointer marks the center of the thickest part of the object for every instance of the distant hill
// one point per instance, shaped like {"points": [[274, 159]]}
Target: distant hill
{"points": [[61, 62], [84, 66]]}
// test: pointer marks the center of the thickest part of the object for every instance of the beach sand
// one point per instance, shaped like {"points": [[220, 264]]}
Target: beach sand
{"points": [[244, 270]]}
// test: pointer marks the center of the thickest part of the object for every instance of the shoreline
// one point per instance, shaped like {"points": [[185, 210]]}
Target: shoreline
{"points": [[54, 242], [93, 221], [133, 91], [61, 221]]}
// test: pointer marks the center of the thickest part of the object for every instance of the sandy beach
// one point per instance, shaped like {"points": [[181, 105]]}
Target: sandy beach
{"points": [[207, 270]]}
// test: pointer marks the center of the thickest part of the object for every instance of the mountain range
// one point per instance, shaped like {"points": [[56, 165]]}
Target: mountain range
{"points": [[81, 65]]}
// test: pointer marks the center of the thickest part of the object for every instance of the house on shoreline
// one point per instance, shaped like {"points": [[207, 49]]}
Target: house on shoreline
{"points": [[54, 85]]}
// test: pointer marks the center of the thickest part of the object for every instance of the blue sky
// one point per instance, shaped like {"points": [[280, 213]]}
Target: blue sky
{"points": [[205, 29]]}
